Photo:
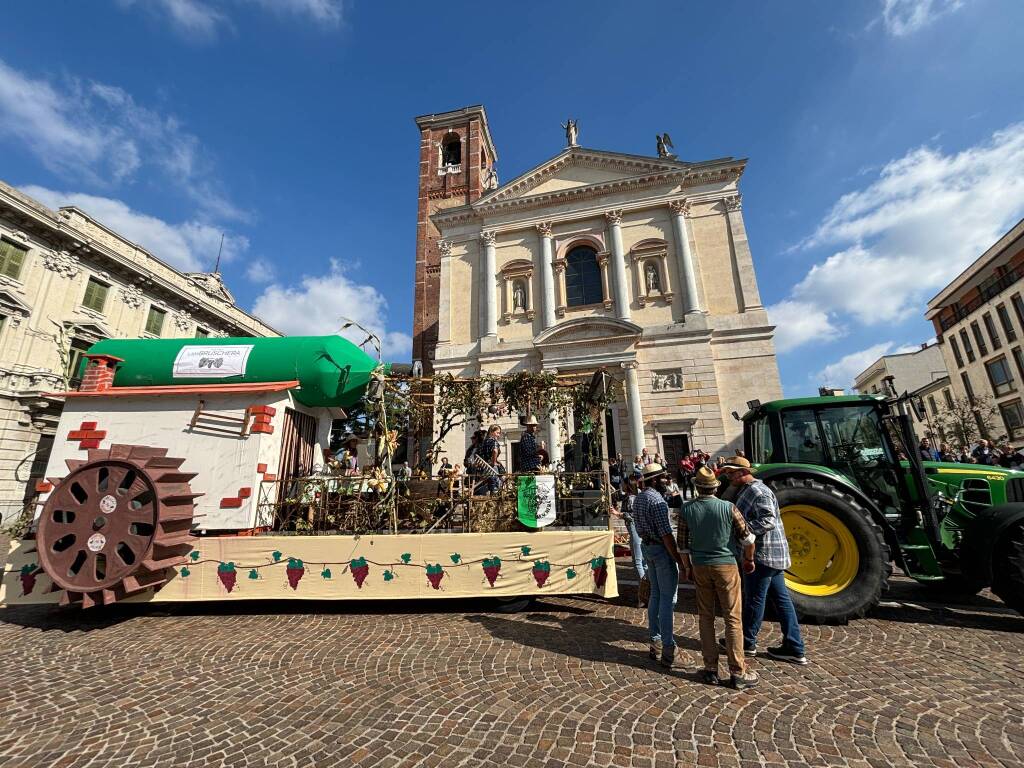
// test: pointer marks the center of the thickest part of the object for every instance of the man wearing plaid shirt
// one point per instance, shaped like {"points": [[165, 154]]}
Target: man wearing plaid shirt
{"points": [[760, 509], [661, 559]]}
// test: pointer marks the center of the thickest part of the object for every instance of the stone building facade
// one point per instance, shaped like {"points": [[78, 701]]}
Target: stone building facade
{"points": [[979, 325], [636, 264], [67, 281]]}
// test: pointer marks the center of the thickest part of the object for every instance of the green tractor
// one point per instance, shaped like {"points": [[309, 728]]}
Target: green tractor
{"points": [[856, 497]]}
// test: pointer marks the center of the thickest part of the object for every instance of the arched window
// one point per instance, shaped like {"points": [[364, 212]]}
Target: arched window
{"points": [[582, 277], [451, 150]]}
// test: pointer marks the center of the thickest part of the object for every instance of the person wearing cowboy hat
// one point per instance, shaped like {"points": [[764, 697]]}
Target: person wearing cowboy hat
{"points": [[707, 528], [661, 559], [767, 581], [529, 456]]}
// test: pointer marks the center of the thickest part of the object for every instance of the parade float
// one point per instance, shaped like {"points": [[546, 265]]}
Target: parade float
{"points": [[202, 469]]}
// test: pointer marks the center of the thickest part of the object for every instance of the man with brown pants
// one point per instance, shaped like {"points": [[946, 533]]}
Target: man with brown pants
{"points": [[707, 525]]}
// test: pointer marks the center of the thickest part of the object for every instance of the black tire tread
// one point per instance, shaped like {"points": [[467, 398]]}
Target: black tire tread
{"points": [[842, 497], [1008, 568]]}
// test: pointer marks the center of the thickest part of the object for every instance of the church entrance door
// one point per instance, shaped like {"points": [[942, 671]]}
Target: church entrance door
{"points": [[674, 448]]}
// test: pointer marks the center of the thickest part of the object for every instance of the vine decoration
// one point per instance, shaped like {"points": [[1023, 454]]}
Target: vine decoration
{"points": [[358, 568]]}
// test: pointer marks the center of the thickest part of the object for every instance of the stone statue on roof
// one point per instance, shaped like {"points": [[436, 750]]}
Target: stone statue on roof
{"points": [[572, 132]]}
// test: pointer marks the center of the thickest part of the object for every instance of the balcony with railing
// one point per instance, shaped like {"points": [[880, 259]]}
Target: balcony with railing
{"points": [[988, 290]]}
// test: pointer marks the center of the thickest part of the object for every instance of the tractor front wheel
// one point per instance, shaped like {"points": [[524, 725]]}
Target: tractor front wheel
{"points": [[840, 561], [1008, 568]]}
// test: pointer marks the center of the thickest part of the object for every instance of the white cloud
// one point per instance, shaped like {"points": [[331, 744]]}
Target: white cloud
{"points": [[190, 246], [843, 371], [799, 323], [260, 270], [904, 17], [318, 304], [923, 219], [97, 132], [199, 21]]}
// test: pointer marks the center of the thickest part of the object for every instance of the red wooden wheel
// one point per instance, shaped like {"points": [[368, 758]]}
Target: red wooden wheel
{"points": [[116, 525]]}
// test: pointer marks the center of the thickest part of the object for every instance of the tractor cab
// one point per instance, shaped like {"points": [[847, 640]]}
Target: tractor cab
{"points": [[849, 436]]}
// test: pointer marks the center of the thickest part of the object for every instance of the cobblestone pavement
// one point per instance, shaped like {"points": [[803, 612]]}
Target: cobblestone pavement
{"points": [[449, 684]]}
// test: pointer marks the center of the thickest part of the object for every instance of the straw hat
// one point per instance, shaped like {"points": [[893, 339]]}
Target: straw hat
{"points": [[738, 462], [705, 478], [652, 471], [531, 421]]}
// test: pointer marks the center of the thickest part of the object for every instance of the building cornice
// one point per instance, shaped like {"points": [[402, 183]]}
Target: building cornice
{"points": [[60, 226], [502, 200], [964, 279]]}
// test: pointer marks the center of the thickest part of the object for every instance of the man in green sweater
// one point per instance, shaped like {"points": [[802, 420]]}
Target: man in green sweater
{"points": [[707, 528]]}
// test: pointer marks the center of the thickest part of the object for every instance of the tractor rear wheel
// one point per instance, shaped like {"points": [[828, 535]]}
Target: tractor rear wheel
{"points": [[840, 561], [1008, 568]]}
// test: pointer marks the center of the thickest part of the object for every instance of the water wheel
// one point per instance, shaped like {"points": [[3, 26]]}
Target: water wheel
{"points": [[116, 525]]}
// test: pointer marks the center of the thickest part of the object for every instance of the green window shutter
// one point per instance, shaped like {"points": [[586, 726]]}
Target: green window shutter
{"points": [[155, 321], [95, 295], [12, 257]]}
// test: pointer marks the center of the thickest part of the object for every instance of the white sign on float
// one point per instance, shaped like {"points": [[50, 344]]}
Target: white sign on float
{"points": [[212, 362]]}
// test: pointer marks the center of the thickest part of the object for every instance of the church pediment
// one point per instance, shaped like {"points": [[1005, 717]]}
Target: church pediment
{"points": [[589, 330], [575, 168], [583, 173]]}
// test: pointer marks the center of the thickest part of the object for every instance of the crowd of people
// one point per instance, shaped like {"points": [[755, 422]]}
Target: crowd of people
{"points": [[735, 554], [983, 451]]}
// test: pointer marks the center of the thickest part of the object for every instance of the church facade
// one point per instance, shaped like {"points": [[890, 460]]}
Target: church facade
{"points": [[594, 259]]}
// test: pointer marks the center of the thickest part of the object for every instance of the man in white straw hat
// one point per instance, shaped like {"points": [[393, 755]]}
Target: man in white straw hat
{"points": [[707, 528], [529, 456]]}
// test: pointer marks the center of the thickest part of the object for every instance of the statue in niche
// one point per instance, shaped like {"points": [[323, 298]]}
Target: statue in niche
{"points": [[518, 297], [653, 280], [572, 132]]}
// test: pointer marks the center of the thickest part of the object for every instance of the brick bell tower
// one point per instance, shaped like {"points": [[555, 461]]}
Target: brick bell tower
{"points": [[457, 160]]}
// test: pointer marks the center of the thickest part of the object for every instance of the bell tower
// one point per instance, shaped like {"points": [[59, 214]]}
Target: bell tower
{"points": [[457, 160]]}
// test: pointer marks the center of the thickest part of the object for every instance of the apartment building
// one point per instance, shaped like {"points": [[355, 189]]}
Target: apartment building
{"points": [[979, 325]]}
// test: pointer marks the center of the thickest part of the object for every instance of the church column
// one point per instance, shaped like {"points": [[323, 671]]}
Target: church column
{"points": [[691, 300], [618, 265], [488, 294], [633, 408], [547, 277], [743, 261]]}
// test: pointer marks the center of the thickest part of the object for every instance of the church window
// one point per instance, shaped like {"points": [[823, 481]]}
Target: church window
{"points": [[582, 277], [451, 150]]}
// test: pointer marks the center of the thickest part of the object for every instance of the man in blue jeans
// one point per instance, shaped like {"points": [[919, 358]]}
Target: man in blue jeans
{"points": [[760, 509], [662, 559]]}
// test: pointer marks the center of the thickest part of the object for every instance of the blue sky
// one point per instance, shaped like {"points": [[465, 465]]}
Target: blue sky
{"points": [[885, 137]]}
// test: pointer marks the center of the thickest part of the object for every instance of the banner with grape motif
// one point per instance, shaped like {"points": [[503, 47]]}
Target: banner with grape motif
{"points": [[384, 567]]}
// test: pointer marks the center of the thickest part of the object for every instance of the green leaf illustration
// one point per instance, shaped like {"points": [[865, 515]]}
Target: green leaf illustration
{"points": [[406, 558], [194, 554], [388, 575], [226, 568], [326, 573], [185, 572], [277, 557], [456, 557], [525, 550], [570, 574], [253, 574]]}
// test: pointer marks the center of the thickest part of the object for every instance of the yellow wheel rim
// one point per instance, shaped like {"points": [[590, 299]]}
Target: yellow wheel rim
{"points": [[823, 551]]}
